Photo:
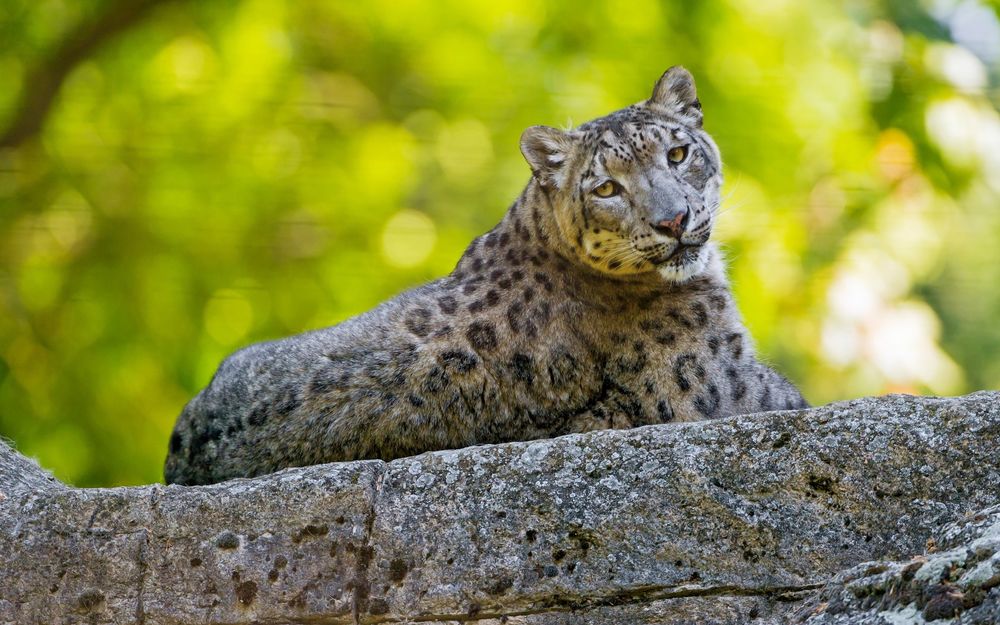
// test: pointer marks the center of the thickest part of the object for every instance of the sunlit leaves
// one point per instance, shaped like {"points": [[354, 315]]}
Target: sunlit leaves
{"points": [[236, 171]]}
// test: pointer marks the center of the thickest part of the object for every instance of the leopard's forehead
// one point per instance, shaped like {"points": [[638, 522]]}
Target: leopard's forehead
{"points": [[633, 136], [635, 115], [623, 123]]}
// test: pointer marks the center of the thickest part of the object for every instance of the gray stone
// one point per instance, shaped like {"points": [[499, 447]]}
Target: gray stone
{"points": [[289, 546], [20, 475], [957, 582], [739, 520]]}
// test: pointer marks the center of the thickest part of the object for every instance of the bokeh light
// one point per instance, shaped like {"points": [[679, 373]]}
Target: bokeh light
{"points": [[228, 172]]}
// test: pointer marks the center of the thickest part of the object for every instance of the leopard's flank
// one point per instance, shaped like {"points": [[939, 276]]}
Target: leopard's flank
{"points": [[597, 302]]}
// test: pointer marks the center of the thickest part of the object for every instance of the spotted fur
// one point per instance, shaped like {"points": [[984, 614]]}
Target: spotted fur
{"points": [[576, 312]]}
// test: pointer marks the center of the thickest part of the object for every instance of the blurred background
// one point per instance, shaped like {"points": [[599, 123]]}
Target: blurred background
{"points": [[179, 179]]}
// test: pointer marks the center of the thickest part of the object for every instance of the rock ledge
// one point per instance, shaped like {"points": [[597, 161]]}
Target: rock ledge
{"points": [[759, 519]]}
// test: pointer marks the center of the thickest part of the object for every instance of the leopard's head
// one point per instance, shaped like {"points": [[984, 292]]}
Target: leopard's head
{"points": [[635, 191]]}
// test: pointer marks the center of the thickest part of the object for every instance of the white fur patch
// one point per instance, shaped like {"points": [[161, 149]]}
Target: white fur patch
{"points": [[685, 272]]}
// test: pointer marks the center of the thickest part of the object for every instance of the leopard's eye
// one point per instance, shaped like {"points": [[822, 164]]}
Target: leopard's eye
{"points": [[678, 154], [608, 188]]}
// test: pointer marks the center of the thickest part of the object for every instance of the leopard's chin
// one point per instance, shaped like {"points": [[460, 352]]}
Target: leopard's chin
{"points": [[683, 263]]}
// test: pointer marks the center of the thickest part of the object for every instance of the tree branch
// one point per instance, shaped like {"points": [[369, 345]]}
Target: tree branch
{"points": [[43, 83]]}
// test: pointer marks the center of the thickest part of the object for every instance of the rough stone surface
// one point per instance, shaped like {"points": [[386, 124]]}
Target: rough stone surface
{"points": [[19, 476], [957, 582], [729, 522], [291, 546]]}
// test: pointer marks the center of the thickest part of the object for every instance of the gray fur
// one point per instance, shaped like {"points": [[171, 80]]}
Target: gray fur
{"points": [[573, 314]]}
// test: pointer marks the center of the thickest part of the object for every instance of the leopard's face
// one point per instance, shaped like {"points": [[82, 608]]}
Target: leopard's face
{"points": [[637, 191], [644, 196]]}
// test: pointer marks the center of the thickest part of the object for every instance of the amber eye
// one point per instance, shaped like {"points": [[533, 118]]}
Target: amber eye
{"points": [[606, 189], [678, 154]]}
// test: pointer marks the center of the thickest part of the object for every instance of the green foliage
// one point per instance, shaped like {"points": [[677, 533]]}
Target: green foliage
{"points": [[229, 172]]}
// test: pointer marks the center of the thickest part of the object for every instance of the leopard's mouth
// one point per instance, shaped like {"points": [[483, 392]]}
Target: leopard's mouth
{"points": [[682, 254]]}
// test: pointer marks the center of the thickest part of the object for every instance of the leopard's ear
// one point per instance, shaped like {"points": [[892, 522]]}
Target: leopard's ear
{"points": [[546, 150], [675, 94]]}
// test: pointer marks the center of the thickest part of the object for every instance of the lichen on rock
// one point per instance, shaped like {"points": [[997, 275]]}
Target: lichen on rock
{"points": [[960, 585]]}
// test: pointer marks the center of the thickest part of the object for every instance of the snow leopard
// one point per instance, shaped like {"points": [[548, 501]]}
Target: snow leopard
{"points": [[598, 301]]}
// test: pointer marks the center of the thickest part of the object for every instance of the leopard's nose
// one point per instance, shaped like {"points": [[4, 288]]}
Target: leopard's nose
{"points": [[672, 227]]}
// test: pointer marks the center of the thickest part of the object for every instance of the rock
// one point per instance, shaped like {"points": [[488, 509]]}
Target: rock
{"points": [[20, 476], [739, 520], [292, 543], [958, 582]]}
